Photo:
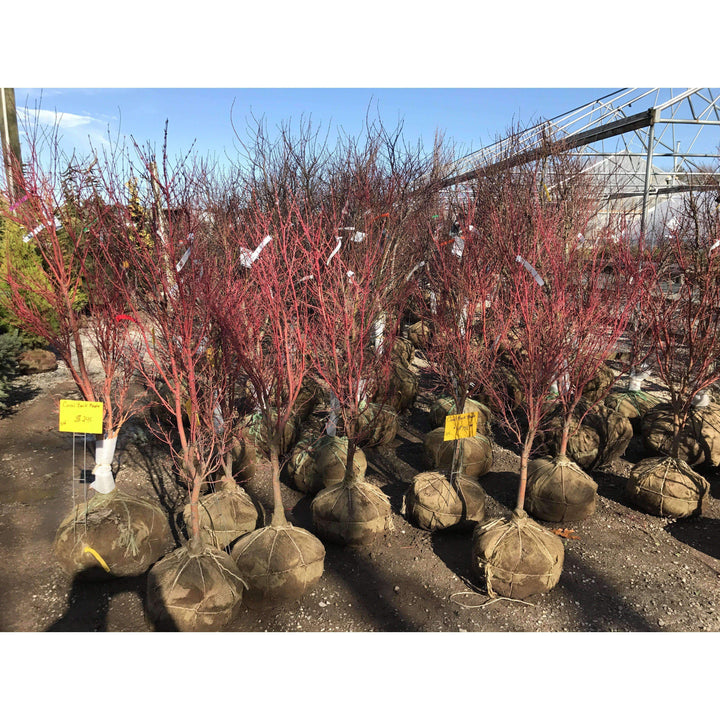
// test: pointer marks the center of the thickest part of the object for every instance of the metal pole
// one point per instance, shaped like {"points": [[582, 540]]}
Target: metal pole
{"points": [[655, 115]]}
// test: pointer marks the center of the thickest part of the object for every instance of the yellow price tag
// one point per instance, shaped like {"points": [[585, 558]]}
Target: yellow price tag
{"points": [[81, 416], [462, 426]]}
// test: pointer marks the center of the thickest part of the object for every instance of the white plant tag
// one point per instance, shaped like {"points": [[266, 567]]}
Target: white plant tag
{"points": [[531, 270]]}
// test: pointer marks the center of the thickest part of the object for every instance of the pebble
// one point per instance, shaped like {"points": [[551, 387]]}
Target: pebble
{"points": [[397, 588]]}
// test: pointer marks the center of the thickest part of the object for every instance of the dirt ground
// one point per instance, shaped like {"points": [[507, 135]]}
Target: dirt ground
{"points": [[625, 571]]}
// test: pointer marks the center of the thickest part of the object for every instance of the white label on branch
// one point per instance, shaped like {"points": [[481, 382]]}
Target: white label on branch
{"points": [[530, 269], [358, 237], [331, 427], [247, 258], [714, 245], [186, 256], [337, 247], [34, 232], [414, 270]]}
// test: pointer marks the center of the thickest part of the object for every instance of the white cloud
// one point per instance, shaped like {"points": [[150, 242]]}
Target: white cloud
{"points": [[52, 118]]}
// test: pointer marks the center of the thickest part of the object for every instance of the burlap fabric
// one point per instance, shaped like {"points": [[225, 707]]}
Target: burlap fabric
{"points": [[244, 460], [419, 334], [516, 557], [699, 439], [633, 404], [446, 406], [308, 398], [603, 436], [404, 351], [352, 513], [323, 463], [666, 487], [433, 503], [598, 387], [558, 490], [125, 533], [378, 425], [225, 515], [477, 455], [278, 563], [257, 433], [403, 387], [193, 590]]}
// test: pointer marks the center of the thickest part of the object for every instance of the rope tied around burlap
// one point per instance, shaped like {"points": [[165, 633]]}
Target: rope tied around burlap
{"points": [[518, 521]]}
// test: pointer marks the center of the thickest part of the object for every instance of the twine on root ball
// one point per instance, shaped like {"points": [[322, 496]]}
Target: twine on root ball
{"points": [[667, 487], [558, 490], [433, 503], [351, 513], [128, 533], [278, 563], [194, 588], [225, 515], [516, 557]]}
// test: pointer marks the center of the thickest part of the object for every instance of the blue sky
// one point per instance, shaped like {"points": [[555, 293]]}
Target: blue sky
{"points": [[203, 118]]}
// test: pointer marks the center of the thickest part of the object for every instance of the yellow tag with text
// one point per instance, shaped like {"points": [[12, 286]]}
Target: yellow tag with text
{"points": [[80, 416], [462, 426]]}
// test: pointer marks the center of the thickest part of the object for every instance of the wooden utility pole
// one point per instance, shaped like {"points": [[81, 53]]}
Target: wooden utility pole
{"points": [[10, 137]]}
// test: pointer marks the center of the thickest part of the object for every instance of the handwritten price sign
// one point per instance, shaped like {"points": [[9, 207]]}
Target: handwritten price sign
{"points": [[458, 427], [80, 416]]}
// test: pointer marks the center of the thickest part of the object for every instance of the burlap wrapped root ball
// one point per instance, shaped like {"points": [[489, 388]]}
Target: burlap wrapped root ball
{"points": [[257, 433], [666, 487], [194, 588], [477, 454], [351, 513], [515, 557], [445, 406], [224, 516], [633, 404], [598, 387], [603, 436], [308, 398], [403, 387], [419, 334], [699, 439], [278, 563], [112, 535], [404, 351], [378, 425], [559, 490], [323, 463], [433, 503]]}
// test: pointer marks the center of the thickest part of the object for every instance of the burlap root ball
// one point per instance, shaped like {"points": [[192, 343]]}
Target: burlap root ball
{"points": [[699, 439], [128, 533], [558, 490], [351, 513], [244, 459], [666, 487], [194, 588], [516, 557], [225, 515], [278, 563], [477, 454], [419, 334], [598, 386], [633, 404], [403, 387], [308, 398], [603, 436], [323, 464], [433, 503], [446, 406], [378, 425], [404, 351], [257, 433]]}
